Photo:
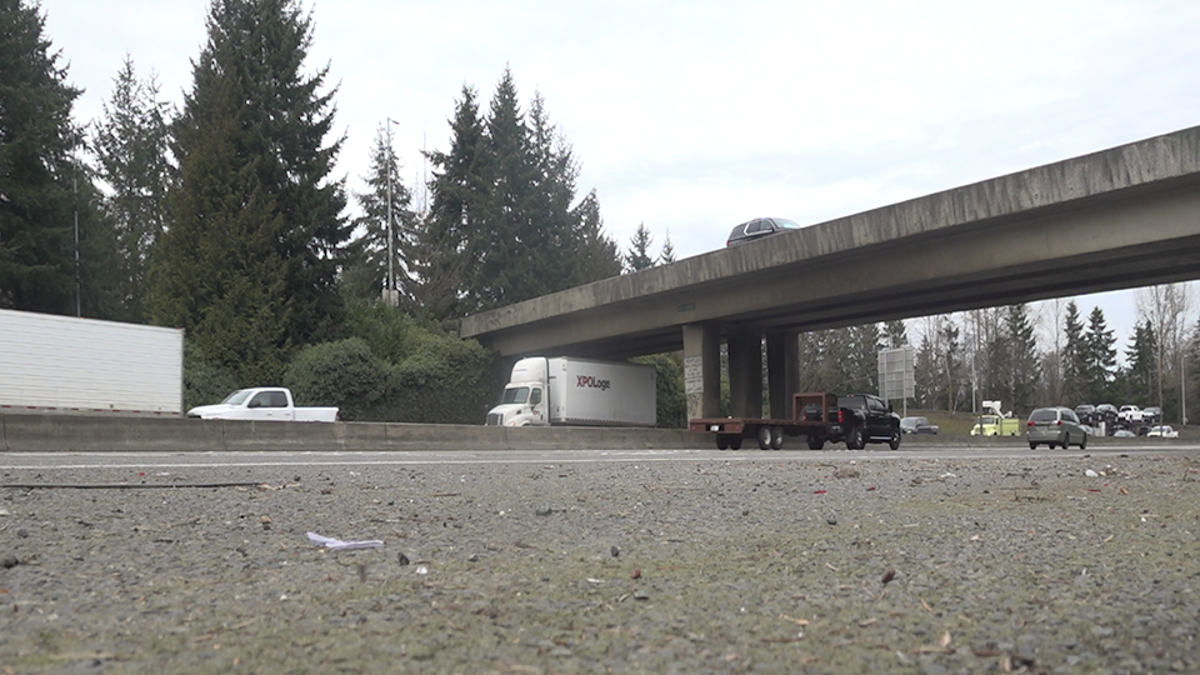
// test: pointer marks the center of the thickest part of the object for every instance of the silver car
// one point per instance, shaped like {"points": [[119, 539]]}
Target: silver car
{"points": [[1055, 427], [758, 228]]}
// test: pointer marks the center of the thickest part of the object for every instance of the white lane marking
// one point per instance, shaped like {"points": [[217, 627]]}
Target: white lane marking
{"points": [[337, 459]]}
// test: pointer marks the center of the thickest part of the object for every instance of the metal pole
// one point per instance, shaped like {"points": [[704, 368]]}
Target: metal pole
{"points": [[1182, 388], [391, 280], [78, 292]]}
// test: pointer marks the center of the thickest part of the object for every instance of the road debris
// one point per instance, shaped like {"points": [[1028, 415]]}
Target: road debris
{"points": [[339, 545]]}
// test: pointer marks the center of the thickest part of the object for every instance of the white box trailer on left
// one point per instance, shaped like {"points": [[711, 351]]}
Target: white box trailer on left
{"points": [[52, 363]]}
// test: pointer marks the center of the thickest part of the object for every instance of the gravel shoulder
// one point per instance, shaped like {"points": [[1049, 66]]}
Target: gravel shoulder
{"points": [[874, 565]]}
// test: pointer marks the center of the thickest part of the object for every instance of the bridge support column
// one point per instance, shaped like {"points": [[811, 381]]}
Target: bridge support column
{"points": [[702, 369], [783, 370], [745, 372]]}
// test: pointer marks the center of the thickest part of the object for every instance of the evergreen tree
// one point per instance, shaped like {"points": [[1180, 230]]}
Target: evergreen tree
{"points": [[597, 256], [528, 245], [1025, 369], [842, 360], [130, 143], [553, 224], [502, 227], [1074, 356], [997, 367], [895, 334], [638, 258], [38, 174], [862, 370], [823, 355], [1142, 357], [98, 290], [508, 269], [366, 273], [1100, 357], [249, 265], [927, 374], [667, 255], [446, 258]]}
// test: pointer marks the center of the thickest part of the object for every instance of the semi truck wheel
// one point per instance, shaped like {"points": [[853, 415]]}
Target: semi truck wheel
{"points": [[777, 441]]}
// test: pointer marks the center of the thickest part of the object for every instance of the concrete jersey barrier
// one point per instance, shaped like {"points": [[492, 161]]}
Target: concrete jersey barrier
{"points": [[32, 433], [85, 433]]}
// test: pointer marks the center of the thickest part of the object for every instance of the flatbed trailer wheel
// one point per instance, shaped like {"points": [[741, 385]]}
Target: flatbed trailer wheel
{"points": [[735, 442], [815, 442], [777, 441], [765, 437], [722, 442]]}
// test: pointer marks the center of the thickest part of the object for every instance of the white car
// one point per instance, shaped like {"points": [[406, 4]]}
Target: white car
{"points": [[1163, 431], [1131, 414]]}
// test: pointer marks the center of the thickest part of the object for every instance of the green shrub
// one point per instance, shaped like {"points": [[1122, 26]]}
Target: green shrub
{"points": [[385, 329], [345, 374], [445, 380], [396, 368]]}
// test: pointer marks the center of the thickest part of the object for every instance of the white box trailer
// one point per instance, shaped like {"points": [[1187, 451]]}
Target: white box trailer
{"points": [[570, 391], [52, 363]]}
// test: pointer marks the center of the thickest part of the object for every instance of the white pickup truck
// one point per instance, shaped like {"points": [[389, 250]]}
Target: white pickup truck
{"points": [[265, 404], [1130, 414]]}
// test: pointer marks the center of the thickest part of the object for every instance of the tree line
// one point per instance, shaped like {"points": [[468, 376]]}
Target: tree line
{"points": [[966, 358]]}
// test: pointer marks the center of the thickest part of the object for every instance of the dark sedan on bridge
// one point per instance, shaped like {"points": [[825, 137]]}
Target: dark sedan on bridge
{"points": [[759, 228]]}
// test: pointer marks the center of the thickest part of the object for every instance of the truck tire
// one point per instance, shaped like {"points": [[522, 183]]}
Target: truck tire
{"points": [[894, 441], [854, 439], [815, 442], [765, 436], [777, 439], [722, 442], [735, 442]]}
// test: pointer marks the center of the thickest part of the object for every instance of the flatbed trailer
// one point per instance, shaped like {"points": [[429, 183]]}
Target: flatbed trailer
{"points": [[815, 415]]}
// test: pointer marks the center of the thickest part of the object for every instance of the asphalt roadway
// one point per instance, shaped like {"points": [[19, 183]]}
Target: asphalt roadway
{"points": [[930, 560], [221, 461]]}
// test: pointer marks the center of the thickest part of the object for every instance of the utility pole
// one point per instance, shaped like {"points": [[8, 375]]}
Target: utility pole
{"points": [[391, 278], [78, 288], [1182, 388]]}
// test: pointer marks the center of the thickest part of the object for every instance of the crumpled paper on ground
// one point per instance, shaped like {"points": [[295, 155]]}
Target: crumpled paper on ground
{"points": [[339, 545]]}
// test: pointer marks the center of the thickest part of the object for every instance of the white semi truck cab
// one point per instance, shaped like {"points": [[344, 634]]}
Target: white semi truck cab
{"points": [[570, 391], [524, 400]]}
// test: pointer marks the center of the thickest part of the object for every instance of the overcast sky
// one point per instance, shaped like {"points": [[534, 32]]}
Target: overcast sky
{"points": [[693, 117]]}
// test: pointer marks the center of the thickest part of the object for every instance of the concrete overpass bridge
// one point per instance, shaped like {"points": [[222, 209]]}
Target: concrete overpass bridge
{"points": [[1121, 218]]}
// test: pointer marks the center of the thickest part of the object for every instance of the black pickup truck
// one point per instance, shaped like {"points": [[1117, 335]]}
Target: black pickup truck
{"points": [[856, 419], [863, 419]]}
